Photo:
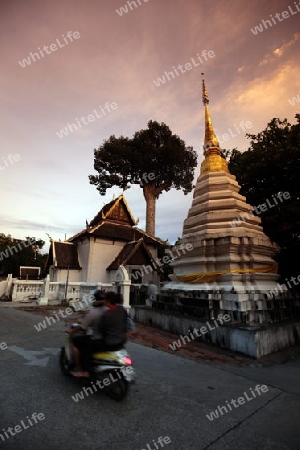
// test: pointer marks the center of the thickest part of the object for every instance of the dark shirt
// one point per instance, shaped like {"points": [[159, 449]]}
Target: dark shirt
{"points": [[113, 326]]}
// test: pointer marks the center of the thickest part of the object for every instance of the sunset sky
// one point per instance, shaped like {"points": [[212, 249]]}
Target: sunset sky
{"points": [[116, 58]]}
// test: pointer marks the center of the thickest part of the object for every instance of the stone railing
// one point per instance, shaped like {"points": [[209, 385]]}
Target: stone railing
{"points": [[45, 291], [24, 290], [29, 290]]}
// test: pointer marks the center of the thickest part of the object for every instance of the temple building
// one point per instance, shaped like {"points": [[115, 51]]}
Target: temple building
{"points": [[110, 241]]}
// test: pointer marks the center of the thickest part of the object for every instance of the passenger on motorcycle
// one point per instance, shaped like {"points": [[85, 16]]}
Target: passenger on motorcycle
{"points": [[109, 333], [91, 340]]}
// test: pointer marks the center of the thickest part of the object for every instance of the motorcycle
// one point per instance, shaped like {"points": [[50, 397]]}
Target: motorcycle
{"points": [[112, 368]]}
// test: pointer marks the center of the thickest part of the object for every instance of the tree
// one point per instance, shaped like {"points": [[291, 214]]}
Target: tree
{"points": [[270, 167], [154, 158], [15, 253]]}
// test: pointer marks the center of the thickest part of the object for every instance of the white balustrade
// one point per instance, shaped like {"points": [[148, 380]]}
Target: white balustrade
{"points": [[26, 290], [30, 290]]}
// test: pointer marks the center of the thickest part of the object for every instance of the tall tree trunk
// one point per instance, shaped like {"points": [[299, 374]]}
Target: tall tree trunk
{"points": [[150, 195]]}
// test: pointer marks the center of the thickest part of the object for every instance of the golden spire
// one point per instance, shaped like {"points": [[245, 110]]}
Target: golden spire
{"points": [[213, 162], [210, 139]]}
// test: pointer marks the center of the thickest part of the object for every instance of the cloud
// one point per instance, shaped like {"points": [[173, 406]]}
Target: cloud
{"points": [[23, 224], [279, 51], [116, 59]]}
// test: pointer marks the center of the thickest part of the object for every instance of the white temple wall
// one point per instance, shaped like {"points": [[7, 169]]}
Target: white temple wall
{"points": [[102, 253], [62, 274], [83, 250]]}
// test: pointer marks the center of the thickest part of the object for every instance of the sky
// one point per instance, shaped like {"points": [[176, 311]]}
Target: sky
{"points": [[93, 54]]}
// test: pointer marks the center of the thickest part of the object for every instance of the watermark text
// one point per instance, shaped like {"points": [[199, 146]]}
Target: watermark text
{"points": [[259, 390], [33, 57], [30, 422], [167, 259], [124, 9], [294, 100], [180, 69], [9, 160], [269, 203], [101, 384], [159, 443], [11, 249], [196, 333], [85, 120], [265, 24]]}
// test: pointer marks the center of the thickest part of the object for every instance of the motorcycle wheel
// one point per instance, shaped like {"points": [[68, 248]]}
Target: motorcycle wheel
{"points": [[118, 389], [64, 363]]}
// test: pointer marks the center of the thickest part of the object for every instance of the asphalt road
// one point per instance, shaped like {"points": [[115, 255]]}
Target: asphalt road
{"points": [[171, 399]]}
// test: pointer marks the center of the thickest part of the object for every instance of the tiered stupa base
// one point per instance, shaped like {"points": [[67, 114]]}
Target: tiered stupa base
{"points": [[231, 257]]}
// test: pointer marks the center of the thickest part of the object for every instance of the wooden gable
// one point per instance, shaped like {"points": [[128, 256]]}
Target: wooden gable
{"points": [[139, 257], [115, 211], [119, 213], [134, 253]]}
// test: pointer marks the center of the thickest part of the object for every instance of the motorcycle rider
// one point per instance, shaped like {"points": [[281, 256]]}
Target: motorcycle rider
{"points": [[113, 324], [85, 344], [109, 332]]}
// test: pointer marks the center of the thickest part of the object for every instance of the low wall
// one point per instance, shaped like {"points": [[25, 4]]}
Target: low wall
{"points": [[3, 286], [252, 340], [24, 290], [249, 307]]}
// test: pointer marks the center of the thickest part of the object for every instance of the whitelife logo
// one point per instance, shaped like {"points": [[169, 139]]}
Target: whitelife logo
{"points": [[167, 259], [188, 66], [71, 127], [53, 47], [294, 100], [243, 126], [101, 384], [160, 443], [12, 248], [283, 288], [260, 389], [124, 9], [18, 428], [49, 320], [9, 160], [267, 23], [281, 196], [3, 346], [199, 333]]}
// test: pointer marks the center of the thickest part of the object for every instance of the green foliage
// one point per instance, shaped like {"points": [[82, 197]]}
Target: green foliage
{"points": [[271, 165], [15, 253], [155, 150]]}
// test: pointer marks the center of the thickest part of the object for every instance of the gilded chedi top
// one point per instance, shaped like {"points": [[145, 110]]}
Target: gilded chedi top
{"points": [[213, 161]]}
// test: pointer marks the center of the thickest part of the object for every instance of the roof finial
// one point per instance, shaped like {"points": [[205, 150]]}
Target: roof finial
{"points": [[50, 238]]}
